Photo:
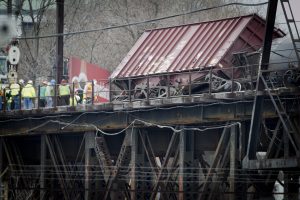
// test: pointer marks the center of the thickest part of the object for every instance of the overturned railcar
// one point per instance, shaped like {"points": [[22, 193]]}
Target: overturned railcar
{"points": [[194, 58]]}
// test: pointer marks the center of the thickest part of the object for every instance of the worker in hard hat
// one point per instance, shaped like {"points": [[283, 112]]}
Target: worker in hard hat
{"points": [[15, 93], [28, 94], [75, 99], [1, 96], [8, 98], [87, 93], [21, 83], [77, 90], [64, 93], [42, 101], [49, 93]]}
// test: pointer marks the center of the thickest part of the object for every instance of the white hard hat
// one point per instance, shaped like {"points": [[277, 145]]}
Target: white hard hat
{"points": [[30, 82], [77, 97], [21, 81]]}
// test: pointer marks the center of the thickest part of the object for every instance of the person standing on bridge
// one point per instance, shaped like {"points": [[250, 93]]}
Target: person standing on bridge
{"points": [[49, 93], [28, 94], [15, 93], [8, 98], [87, 93], [42, 102], [22, 84], [1, 96], [64, 93]]}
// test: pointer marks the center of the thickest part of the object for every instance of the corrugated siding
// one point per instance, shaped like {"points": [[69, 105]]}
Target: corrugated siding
{"points": [[190, 47]]}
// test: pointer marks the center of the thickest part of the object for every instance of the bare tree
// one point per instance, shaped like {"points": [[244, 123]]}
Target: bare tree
{"points": [[105, 48]]}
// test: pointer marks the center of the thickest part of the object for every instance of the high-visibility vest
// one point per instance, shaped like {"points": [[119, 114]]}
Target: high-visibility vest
{"points": [[15, 89], [71, 101], [49, 91], [28, 91], [42, 92], [8, 95], [1, 91], [88, 89], [64, 90]]}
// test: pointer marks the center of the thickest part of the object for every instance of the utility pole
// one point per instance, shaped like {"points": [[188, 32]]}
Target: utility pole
{"points": [[60, 40], [58, 67], [254, 134]]}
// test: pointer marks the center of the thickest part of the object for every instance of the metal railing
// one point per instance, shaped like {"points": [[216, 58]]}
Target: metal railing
{"points": [[188, 83], [157, 86], [43, 96], [191, 83]]}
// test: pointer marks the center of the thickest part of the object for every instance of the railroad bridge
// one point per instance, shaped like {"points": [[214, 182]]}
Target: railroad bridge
{"points": [[216, 138], [186, 147]]}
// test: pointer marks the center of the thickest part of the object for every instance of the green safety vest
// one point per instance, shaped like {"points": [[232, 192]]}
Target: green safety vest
{"points": [[64, 90]]}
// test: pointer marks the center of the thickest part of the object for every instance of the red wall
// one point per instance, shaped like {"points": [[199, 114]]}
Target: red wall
{"points": [[84, 71]]}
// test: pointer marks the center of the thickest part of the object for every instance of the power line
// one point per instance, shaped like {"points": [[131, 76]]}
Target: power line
{"points": [[146, 21]]}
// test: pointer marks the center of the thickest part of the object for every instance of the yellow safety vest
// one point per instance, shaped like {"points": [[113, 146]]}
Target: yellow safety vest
{"points": [[1, 90], [71, 101], [28, 91], [88, 91], [15, 89]]}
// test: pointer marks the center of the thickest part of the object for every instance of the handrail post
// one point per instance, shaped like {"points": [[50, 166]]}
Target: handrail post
{"points": [[129, 88], [4, 100], [73, 94], [168, 84], [210, 77], [251, 76], [20, 100], [109, 91], [190, 84], [232, 79], [55, 95], [148, 88], [93, 90], [39, 97]]}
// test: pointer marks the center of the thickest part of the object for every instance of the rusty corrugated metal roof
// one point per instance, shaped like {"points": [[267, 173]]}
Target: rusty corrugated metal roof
{"points": [[192, 46]]}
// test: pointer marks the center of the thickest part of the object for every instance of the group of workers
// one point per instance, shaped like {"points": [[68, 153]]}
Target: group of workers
{"points": [[19, 95]]}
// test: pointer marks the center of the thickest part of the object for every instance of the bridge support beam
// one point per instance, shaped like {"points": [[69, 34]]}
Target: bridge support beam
{"points": [[42, 166], [134, 168], [186, 163], [1, 170], [233, 162], [138, 166], [89, 147]]}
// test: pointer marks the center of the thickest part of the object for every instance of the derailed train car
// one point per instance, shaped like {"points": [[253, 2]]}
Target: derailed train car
{"points": [[212, 56]]}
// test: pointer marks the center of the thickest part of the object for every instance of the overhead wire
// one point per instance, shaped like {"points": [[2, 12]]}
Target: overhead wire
{"points": [[146, 21]]}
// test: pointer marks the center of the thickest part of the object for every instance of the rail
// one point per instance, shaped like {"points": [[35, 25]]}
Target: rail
{"points": [[165, 85]]}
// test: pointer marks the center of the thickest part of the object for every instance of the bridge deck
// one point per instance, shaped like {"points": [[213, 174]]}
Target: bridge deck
{"points": [[183, 110]]}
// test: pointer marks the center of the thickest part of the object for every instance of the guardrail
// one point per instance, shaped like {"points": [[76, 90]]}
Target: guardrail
{"points": [[166, 85], [52, 96], [208, 81]]}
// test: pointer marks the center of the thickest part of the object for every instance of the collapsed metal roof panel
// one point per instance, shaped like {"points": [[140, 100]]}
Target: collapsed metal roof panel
{"points": [[193, 46]]}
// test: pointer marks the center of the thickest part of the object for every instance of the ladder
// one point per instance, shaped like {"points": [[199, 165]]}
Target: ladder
{"points": [[287, 124], [292, 26], [103, 156], [121, 169]]}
